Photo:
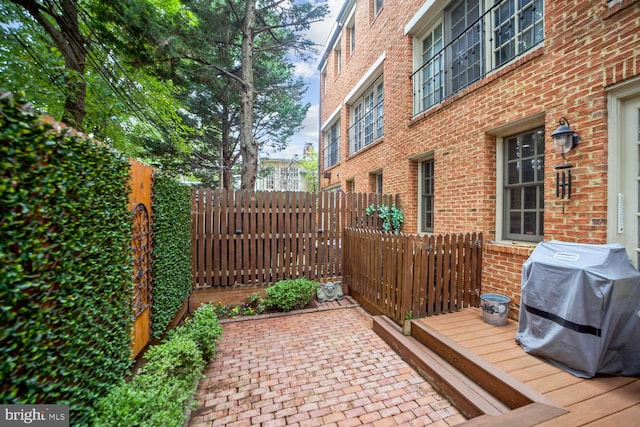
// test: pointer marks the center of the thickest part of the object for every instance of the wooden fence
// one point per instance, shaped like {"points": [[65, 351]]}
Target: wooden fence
{"points": [[395, 274], [242, 237]]}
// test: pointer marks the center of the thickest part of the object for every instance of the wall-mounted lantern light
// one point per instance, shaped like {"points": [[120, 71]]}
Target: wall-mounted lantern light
{"points": [[564, 140]]}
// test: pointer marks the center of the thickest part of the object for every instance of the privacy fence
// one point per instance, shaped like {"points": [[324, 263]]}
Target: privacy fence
{"points": [[243, 237], [396, 274]]}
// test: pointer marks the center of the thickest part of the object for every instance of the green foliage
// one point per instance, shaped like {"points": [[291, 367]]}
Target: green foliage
{"points": [[157, 396], [65, 265], [231, 311], [204, 329], [287, 295], [171, 263], [128, 104], [309, 166], [391, 216], [179, 357]]}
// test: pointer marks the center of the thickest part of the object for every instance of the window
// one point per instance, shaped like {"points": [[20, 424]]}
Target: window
{"points": [[367, 117], [517, 26], [375, 180], [469, 39], [323, 81], [466, 50], [288, 177], [351, 33], [427, 178], [331, 149], [432, 74], [351, 186], [377, 6], [524, 186], [338, 58]]}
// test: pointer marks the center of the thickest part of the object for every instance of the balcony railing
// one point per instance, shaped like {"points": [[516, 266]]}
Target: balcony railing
{"points": [[367, 128], [331, 153], [505, 31]]}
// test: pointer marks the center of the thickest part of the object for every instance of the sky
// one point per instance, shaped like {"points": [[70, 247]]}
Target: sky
{"points": [[319, 34]]}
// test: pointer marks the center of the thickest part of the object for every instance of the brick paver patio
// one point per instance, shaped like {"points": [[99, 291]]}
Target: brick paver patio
{"points": [[319, 368]]}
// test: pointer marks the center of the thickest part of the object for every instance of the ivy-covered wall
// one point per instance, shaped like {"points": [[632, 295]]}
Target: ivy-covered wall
{"points": [[171, 264], [65, 265]]}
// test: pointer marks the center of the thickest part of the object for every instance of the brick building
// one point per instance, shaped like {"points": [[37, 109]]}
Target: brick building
{"points": [[452, 103]]}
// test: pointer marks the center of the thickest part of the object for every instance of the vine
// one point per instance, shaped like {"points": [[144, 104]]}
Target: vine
{"points": [[391, 216]]}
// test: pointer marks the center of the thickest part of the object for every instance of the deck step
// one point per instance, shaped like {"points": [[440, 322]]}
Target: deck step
{"points": [[482, 392], [470, 399]]}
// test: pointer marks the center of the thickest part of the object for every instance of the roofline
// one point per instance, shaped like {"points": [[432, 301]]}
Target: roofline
{"points": [[335, 32]]}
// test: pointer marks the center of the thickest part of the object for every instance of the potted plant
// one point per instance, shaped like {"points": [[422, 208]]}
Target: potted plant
{"points": [[406, 327]]}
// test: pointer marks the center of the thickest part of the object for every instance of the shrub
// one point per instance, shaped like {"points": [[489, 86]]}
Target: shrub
{"points": [[287, 295], [157, 396], [177, 357], [204, 329]]}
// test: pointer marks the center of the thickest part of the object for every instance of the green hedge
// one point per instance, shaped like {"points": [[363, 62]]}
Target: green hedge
{"points": [[65, 265], [160, 393], [171, 250]]}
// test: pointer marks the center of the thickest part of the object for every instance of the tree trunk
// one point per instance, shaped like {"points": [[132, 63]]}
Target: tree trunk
{"points": [[248, 145], [71, 43]]}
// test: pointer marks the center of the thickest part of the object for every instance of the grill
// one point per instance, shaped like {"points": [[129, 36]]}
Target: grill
{"points": [[580, 308]]}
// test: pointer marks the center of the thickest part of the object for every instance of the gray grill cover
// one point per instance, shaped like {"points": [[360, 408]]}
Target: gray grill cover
{"points": [[580, 308]]}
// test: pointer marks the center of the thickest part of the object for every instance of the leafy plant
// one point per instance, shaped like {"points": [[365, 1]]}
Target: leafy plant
{"points": [[391, 216], [159, 393], [65, 264], [231, 311], [287, 295], [171, 250], [204, 328], [180, 357]]}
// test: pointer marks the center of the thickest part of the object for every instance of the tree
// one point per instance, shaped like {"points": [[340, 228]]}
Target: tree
{"points": [[60, 22], [60, 50], [309, 166], [206, 60], [274, 27]]}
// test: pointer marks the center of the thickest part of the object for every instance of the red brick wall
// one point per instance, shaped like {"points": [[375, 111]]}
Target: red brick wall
{"points": [[587, 48]]}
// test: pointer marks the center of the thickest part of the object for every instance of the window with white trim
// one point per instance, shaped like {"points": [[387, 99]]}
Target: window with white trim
{"points": [[524, 186], [432, 74], [331, 148], [351, 35], [377, 6], [426, 203], [367, 117], [375, 181], [323, 81], [467, 40], [338, 58]]}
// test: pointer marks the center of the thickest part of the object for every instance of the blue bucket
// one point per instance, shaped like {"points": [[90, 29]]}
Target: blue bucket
{"points": [[495, 308]]}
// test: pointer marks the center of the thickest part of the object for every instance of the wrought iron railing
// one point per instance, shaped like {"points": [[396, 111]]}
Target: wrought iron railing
{"points": [[367, 117], [505, 31], [367, 128], [331, 152]]}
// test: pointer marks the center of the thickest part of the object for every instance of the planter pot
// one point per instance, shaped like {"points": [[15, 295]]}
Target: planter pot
{"points": [[406, 328], [495, 308]]}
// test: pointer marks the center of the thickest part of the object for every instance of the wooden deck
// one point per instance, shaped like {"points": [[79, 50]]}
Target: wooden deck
{"points": [[600, 401]]}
